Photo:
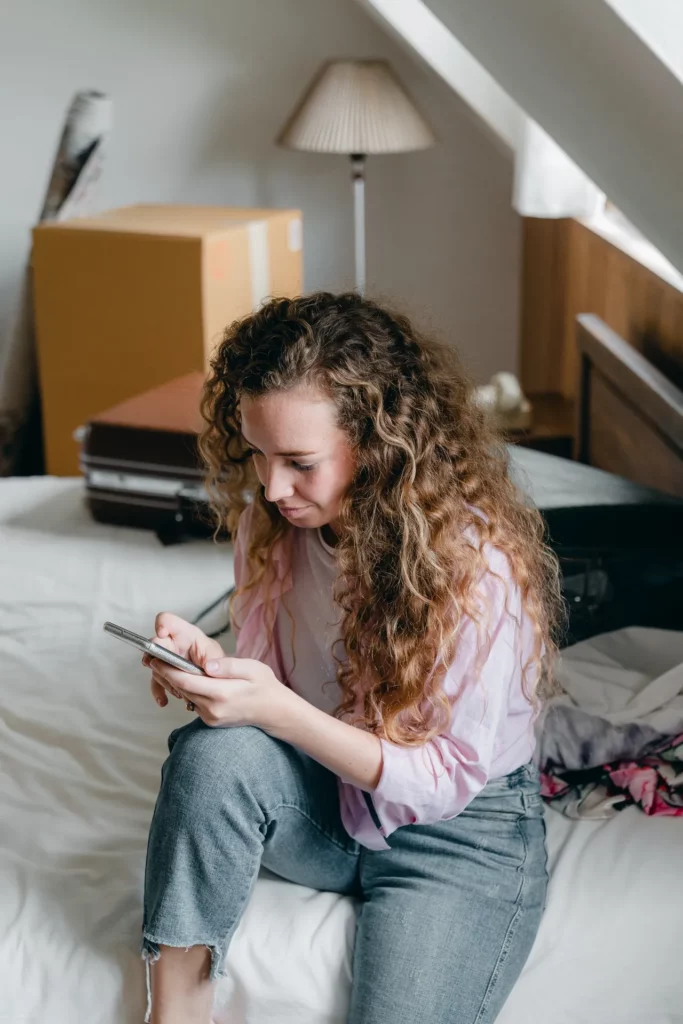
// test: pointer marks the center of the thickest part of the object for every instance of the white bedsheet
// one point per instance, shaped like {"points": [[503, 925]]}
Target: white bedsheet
{"points": [[81, 746]]}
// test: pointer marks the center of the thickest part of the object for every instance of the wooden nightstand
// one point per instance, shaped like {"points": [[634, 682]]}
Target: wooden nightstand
{"points": [[552, 430]]}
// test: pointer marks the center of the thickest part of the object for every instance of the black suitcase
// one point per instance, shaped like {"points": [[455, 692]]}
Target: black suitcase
{"points": [[620, 545], [142, 466]]}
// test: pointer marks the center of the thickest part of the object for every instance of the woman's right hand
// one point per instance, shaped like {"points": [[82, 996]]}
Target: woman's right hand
{"points": [[185, 639]]}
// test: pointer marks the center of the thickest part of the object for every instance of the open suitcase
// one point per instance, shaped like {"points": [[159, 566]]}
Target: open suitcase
{"points": [[620, 545], [141, 463]]}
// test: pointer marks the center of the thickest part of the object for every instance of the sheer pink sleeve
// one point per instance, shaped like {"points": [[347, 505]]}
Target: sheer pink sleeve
{"points": [[439, 779]]}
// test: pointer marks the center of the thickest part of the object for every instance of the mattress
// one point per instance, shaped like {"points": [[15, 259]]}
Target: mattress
{"points": [[81, 748]]}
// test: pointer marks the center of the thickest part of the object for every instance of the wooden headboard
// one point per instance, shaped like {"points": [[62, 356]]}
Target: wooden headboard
{"points": [[630, 415], [570, 268]]}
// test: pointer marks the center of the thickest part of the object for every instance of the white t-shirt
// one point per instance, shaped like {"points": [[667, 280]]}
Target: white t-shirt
{"points": [[317, 617]]}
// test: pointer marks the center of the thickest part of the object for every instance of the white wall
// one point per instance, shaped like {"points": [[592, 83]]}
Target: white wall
{"points": [[200, 88], [416, 27]]}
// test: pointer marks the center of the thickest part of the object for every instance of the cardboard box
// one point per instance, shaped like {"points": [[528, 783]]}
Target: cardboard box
{"points": [[135, 297]]}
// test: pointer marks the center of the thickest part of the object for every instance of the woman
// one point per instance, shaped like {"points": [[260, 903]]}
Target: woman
{"points": [[389, 575]]}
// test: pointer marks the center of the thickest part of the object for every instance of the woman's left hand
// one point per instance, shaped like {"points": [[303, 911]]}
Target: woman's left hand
{"points": [[233, 691]]}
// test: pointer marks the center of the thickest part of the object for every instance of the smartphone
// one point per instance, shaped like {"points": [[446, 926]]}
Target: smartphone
{"points": [[155, 650]]}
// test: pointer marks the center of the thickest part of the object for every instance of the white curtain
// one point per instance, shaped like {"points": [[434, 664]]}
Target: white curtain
{"points": [[547, 182]]}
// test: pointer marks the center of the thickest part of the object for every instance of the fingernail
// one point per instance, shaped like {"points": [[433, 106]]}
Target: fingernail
{"points": [[160, 702], [212, 666]]}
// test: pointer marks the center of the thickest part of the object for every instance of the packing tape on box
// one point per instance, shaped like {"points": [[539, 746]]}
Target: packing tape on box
{"points": [[295, 234], [259, 261]]}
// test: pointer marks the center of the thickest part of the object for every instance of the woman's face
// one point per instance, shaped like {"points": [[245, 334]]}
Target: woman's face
{"points": [[300, 455]]}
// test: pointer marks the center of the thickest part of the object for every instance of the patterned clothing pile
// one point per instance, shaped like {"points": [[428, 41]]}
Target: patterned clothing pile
{"points": [[654, 783], [603, 748]]}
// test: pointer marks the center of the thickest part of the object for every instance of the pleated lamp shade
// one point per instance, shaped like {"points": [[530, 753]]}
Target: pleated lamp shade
{"points": [[356, 106]]}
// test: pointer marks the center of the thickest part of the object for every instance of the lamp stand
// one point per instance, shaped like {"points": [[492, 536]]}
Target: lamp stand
{"points": [[358, 179]]}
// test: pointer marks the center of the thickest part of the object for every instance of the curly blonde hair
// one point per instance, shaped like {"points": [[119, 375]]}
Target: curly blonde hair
{"points": [[429, 471]]}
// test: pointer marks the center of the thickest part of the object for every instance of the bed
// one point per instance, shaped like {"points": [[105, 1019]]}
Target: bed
{"points": [[80, 752], [630, 411]]}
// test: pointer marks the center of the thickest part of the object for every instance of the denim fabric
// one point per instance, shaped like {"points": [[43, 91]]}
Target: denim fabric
{"points": [[449, 912]]}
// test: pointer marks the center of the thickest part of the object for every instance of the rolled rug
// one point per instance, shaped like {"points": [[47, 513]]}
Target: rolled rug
{"points": [[77, 166]]}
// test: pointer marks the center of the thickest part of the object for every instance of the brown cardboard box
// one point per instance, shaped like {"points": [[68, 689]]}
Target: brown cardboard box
{"points": [[134, 297]]}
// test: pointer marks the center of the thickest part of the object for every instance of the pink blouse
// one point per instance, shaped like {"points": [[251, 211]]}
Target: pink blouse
{"points": [[490, 733]]}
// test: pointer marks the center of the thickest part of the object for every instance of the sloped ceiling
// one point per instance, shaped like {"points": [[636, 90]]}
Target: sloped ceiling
{"points": [[596, 87]]}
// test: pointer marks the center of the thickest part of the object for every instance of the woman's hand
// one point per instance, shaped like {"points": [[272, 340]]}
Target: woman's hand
{"points": [[186, 640], [234, 691]]}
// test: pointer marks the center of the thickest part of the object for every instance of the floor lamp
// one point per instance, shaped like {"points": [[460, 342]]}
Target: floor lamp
{"points": [[356, 107]]}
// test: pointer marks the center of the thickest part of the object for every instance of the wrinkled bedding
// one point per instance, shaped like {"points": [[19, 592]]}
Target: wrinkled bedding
{"points": [[604, 748], [81, 746]]}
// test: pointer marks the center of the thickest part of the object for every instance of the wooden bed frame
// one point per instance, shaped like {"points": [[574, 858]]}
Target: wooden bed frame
{"points": [[630, 415]]}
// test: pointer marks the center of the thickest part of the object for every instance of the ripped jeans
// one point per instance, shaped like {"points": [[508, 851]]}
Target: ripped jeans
{"points": [[449, 913]]}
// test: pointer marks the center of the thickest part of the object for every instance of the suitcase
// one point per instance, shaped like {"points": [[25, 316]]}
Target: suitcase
{"points": [[620, 544], [141, 463]]}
